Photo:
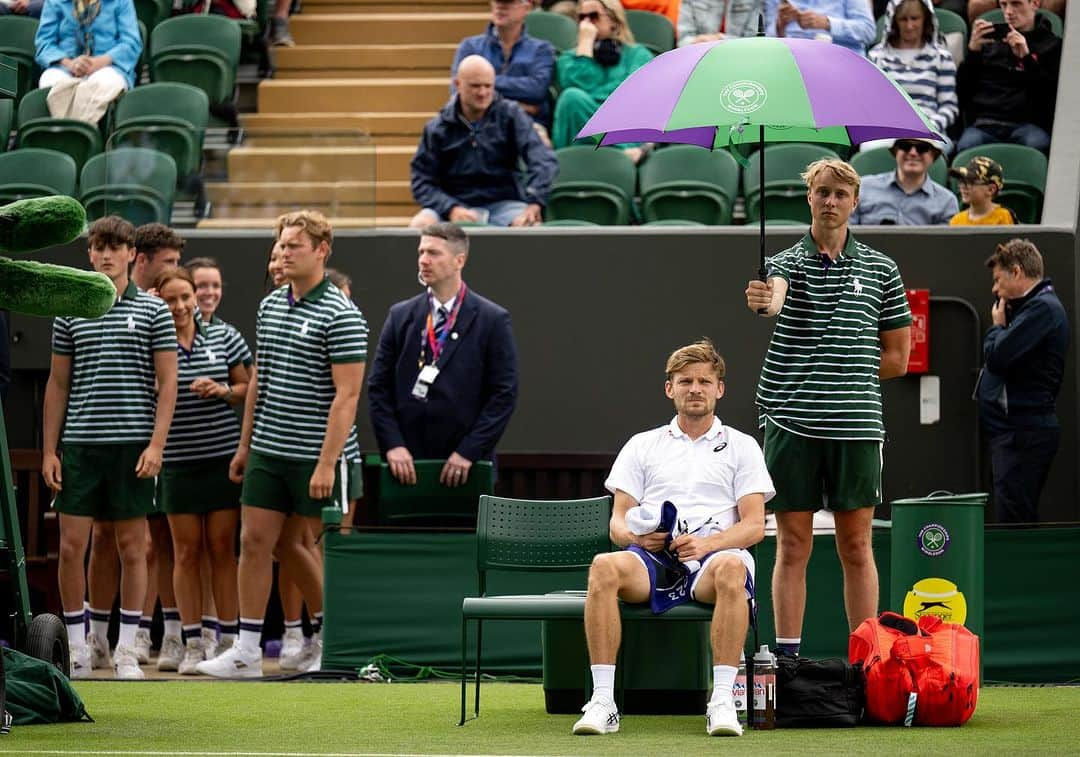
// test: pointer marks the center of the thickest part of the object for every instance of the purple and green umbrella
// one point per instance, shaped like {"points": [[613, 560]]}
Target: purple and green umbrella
{"points": [[756, 90]]}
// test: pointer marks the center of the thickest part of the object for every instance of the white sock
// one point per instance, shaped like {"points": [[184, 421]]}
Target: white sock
{"points": [[723, 679], [99, 623], [171, 620], [603, 682], [76, 628], [250, 634], [129, 623]]}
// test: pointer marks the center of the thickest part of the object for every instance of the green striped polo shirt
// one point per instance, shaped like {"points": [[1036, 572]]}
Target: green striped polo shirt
{"points": [[297, 341], [203, 429], [112, 398], [820, 377]]}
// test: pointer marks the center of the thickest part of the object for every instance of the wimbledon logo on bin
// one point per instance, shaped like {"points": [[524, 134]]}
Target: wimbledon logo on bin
{"points": [[936, 596], [933, 539]]}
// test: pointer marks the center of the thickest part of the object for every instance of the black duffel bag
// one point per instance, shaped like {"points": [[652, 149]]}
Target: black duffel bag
{"points": [[817, 693]]}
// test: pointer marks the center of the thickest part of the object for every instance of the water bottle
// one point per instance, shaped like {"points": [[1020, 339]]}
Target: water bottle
{"points": [[764, 717], [738, 691]]}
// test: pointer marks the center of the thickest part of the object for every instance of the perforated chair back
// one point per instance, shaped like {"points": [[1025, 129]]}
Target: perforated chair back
{"points": [[556, 28], [653, 30]]}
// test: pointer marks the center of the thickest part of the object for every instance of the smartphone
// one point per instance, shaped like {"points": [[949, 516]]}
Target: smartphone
{"points": [[1001, 31]]}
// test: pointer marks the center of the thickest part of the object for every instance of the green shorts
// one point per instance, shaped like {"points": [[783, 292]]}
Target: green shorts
{"points": [[811, 473], [278, 483], [197, 487], [99, 482]]}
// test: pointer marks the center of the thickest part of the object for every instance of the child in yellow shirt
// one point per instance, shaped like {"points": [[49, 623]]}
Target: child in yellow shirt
{"points": [[980, 181]]}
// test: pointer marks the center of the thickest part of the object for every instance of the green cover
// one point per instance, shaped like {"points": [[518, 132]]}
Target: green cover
{"points": [[39, 693]]}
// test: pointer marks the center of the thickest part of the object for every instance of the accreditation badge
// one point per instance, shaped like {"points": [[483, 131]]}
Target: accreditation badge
{"points": [[427, 377]]}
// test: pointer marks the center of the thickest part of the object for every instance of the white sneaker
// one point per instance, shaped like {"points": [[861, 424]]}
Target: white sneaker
{"points": [[220, 647], [209, 642], [235, 662], [292, 649], [80, 661], [312, 657], [142, 646], [721, 718], [170, 655], [193, 655], [601, 716], [99, 652], [126, 664]]}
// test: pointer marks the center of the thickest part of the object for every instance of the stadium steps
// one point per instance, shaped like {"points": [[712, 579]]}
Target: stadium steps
{"points": [[362, 61], [388, 128], [319, 164], [340, 222], [346, 198], [423, 95], [385, 28]]}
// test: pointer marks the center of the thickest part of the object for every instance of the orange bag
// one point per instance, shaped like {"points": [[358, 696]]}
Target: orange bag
{"points": [[917, 674]]}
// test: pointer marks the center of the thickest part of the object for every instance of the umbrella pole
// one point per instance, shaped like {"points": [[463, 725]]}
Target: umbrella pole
{"points": [[762, 271]]}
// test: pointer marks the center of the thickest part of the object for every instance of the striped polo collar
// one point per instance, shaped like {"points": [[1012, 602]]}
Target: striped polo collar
{"points": [[851, 247], [314, 295]]}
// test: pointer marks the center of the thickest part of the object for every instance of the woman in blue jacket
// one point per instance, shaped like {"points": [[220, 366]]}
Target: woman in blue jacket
{"points": [[94, 40]]}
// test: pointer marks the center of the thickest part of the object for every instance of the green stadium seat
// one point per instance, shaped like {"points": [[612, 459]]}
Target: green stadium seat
{"points": [[674, 222], [1025, 177], [36, 173], [428, 503], [688, 183], [569, 222], [652, 30], [133, 182], [785, 192], [152, 12], [556, 28], [165, 116], [783, 222], [17, 41], [200, 50], [37, 128], [1057, 26], [7, 119], [595, 185], [880, 160]]}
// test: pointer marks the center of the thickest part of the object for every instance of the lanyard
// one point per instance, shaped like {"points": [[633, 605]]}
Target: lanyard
{"points": [[428, 339]]}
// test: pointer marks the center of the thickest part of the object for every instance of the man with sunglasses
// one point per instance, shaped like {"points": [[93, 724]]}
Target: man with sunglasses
{"points": [[906, 196]]}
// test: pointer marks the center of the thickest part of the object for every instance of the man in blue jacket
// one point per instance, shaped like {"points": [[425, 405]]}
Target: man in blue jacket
{"points": [[444, 381], [524, 65], [1024, 353], [467, 165]]}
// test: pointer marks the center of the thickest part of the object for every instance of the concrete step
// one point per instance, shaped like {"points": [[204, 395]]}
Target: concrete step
{"points": [[378, 125], [260, 193], [319, 164], [425, 95], [338, 222], [363, 61], [395, 6], [385, 28]]}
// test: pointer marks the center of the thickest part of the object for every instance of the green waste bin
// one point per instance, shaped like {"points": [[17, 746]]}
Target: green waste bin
{"points": [[937, 558]]}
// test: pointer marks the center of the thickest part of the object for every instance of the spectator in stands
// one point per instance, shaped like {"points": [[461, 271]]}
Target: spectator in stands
{"points": [[717, 481], [976, 8], [114, 407], [1024, 353], [843, 22], [467, 165], [87, 50], [668, 8], [31, 8], [914, 54], [524, 65], [1008, 84], [710, 20], [453, 399], [980, 181], [312, 345], [195, 490], [605, 55], [279, 24], [906, 196]]}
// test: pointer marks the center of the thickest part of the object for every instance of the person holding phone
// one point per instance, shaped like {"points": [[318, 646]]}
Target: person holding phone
{"points": [[843, 22], [1008, 81]]}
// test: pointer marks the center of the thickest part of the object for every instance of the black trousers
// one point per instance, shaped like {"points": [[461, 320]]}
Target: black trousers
{"points": [[1020, 461]]}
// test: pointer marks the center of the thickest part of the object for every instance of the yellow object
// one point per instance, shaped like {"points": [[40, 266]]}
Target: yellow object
{"points": [[936, 596], [999, 216]]}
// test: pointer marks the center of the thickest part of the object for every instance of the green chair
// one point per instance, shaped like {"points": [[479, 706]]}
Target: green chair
{"points": [[674, 222], [17, 41], [165, 116], [595, 185], [1057, 26], [7, 118], [133, 182], [652, 30], [880, 160], [785, 192], [690, 184], [200, 50], [950, 22], [152, 12], [784, 222], [37, 128], [36, 173], [428, 502], [531, 536], [569, 222], [556, 28], [1025, 177]]}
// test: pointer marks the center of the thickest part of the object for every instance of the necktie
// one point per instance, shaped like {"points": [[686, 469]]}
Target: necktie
{"points": [[440, 322]]}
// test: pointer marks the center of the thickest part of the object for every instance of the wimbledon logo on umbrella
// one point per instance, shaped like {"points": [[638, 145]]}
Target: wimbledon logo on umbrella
{"points": [[744, 96]]}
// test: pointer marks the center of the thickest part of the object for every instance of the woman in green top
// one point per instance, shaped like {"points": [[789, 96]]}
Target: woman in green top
{"points": [[605, 55]]}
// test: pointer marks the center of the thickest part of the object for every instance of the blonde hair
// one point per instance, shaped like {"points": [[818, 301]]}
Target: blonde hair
{"points": [[314, 224], [618, 15], [843, 172], [698, 352]]}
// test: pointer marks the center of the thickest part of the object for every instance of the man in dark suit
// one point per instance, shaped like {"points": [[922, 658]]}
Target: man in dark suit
{"points": [[444, 380]]}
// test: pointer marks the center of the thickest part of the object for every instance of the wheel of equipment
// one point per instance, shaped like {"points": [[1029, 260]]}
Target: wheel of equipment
{"points": [[47, 640]]}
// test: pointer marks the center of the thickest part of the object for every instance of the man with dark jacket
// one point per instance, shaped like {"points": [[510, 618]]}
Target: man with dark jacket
{"points": [[467, 165], [1008, 82], [1024, 353]]}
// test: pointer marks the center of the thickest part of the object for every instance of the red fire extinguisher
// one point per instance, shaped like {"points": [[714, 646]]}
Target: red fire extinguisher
{"points": [[919, 302]]}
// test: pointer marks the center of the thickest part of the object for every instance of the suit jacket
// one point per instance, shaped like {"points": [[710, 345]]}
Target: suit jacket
{"points": [[469, 404]]}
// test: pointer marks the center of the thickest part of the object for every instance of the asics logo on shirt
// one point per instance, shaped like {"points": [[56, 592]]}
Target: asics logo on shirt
{"points": [[719, 447]]}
